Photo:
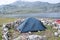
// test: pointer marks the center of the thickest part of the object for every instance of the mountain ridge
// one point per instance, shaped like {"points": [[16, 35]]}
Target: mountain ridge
{"points": [[29, 7]]}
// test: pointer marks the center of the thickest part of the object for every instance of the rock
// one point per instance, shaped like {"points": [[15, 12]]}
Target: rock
{"points": [[5, 29], [3, 26], [59, 35], [56, 34], [55, 27], [29, 32], [59, 32], [36, 37]]}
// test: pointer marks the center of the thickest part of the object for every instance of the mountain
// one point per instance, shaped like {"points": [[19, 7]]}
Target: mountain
{"points": [[29, 7]]}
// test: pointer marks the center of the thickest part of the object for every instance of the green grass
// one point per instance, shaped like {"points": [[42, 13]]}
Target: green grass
{"points": [[0, 32], [2, 21], [6, 20], [48, 27], [0, 36], [48, 32]]}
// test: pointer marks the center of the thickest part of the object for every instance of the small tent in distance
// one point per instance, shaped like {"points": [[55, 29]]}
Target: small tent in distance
{"points": [[31, 24]]}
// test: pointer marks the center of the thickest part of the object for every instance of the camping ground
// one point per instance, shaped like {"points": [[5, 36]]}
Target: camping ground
{"points": [[48, 32]]}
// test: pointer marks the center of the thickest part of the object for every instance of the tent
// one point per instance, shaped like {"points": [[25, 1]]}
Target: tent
{"points": [[58, 21], [30, 25]]}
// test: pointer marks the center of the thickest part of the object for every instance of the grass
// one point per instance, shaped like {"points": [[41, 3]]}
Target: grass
{"points": [[48, 27], [2, 21], [48, 32], [0, 32], [6, 20]]}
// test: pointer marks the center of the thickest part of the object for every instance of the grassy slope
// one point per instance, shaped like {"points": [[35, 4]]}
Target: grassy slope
{"points": [[2, 21], [0, 34], [48, 32], [6, 20]]}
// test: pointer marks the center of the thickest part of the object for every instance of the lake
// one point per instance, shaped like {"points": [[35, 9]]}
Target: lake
{"points": [[42, 15]]}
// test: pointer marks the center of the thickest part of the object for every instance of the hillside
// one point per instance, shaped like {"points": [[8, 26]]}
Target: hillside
{"points": [[29, 7]]}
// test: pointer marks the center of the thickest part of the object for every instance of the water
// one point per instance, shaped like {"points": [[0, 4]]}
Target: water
{"points": [[43, 15]]}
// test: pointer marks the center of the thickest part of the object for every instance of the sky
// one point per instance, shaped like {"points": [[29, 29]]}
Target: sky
{"points": [[4, 2]]}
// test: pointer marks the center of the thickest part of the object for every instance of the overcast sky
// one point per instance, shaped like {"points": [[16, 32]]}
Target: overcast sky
{"points": [[3, 2]]}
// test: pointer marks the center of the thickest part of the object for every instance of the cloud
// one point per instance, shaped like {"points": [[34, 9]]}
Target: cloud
{"points": [[50, 1], [3, 2], [6, 1]]}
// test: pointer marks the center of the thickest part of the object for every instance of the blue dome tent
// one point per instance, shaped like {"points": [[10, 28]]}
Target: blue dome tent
{"points": [[31, 24]]}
